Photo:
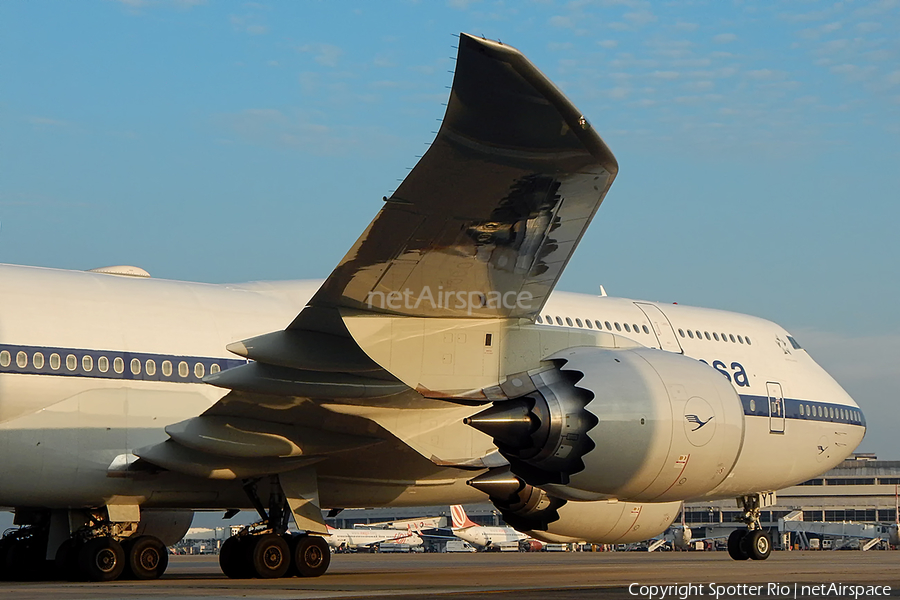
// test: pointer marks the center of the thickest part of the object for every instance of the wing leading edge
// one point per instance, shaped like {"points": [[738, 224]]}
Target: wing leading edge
{"points": [[485, 223]]}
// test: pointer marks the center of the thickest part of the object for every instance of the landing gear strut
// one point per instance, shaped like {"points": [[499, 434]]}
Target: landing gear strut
{"points": [[266, 550], [753, 542]]}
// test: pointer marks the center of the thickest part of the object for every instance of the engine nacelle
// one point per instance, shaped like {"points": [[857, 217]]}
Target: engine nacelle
{"points": [[533, 512], [641, 425]]}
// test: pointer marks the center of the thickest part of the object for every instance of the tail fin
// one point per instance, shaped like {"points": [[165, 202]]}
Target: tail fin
{"points": [[460, 518]]}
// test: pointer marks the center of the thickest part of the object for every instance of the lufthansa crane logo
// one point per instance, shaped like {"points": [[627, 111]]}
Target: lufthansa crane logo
{"points": [[699, 421]]}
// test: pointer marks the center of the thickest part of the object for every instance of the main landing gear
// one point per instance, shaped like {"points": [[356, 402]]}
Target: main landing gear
{"points": [[266, 550], [753, 542], [100, 551]]}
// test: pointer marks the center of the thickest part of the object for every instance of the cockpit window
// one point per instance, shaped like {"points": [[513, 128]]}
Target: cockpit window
{"points": [[794, 343]]}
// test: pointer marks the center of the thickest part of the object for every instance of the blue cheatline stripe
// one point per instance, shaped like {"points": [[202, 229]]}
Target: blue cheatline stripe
{"points": [[805, 410], [40, 360]]}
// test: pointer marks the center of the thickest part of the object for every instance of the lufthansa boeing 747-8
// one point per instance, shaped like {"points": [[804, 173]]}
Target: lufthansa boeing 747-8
{"points": [[435, 365]]}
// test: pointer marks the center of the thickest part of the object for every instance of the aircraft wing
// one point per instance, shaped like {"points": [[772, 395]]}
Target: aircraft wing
{"points": [[494, 209], [497, 203]]}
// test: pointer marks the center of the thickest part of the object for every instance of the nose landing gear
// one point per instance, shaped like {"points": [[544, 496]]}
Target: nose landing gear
{"points": [[753, 542]]}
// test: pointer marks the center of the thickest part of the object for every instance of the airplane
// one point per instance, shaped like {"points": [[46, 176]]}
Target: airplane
{"points": [[435, 365], [356, 539], [481, 536]]}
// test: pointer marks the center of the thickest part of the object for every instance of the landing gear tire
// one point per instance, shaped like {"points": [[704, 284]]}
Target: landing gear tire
{"points": [[757, 545], [736, 546], [66, 563], [311, 556], [270, 556], [146, 558], [101, 559], [233, 558]]}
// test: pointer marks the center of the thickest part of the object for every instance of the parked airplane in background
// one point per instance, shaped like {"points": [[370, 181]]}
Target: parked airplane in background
{"points": [[481, 536], [416, 525], [433, 366], [355, 539]]}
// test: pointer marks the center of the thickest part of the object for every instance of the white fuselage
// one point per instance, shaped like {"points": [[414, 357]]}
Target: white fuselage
{"points": [[364, 538], [489, 536], [93, 366]]}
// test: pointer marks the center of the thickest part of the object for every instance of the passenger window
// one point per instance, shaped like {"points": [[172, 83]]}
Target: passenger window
{"points": [[801, 410], [715, 336], [618, 328], [608, 326], [748, 340], [731, 337], [588, 323], [646, 330], [214, 368], [21, 360], [740, 339], [118, 365], [558, 321], [37, 359], [87, 363], [183, 369], [71, 362], [690, 334], [724, 337], [699, 337], [167, 368], [681, 332], [579, 323], [54, 361], [706, 333], [199, 370], [539, 319], [150, 367], [636, 328], [103, 364], [135, 366], [5, 358], [627, 327], [569, 321]]}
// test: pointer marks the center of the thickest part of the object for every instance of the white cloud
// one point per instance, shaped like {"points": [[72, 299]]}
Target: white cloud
{"points": [[766, 74], [724, 38], [685, 26], [325, 54], [641, 17], [461, 4], [892, 78], [665, 74], [607, 43]]}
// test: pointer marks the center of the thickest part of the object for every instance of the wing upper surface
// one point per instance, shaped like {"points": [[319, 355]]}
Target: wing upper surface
{"points": [[487, 220]]}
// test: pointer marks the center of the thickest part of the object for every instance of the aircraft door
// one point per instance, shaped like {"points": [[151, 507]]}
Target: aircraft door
{"points": [[776, 407], [663, 329]]}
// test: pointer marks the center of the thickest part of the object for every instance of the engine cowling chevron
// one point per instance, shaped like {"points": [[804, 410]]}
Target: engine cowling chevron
{"points": [[640, 424]]}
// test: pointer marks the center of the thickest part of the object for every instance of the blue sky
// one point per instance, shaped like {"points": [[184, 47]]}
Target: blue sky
{"points": [[232, 141]]}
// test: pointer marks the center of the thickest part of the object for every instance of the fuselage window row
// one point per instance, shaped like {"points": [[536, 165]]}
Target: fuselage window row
{"points": [[61, 363], [629, 328], [724, 337]]}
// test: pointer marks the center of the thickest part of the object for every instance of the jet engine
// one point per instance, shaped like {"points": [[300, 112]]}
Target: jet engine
{"points": [[640, 425], [539, 515]]}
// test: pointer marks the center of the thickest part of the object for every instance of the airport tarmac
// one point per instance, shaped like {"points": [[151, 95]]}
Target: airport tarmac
{"points": [[498, 576]]}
